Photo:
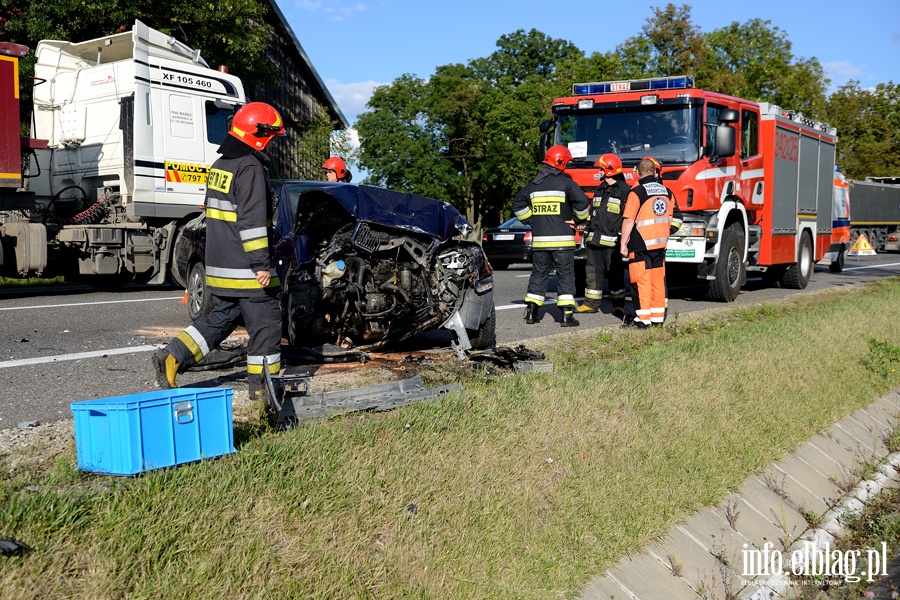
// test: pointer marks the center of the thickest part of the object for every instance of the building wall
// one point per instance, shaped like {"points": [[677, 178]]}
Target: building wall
{"points": [[296, 97]]}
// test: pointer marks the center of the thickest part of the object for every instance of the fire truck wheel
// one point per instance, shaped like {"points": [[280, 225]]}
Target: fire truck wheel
{"points": [[797, 275], [729, 269]]}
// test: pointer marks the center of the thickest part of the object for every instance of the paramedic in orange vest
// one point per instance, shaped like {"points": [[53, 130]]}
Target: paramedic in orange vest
{"points": [[646, 223], [550, 203]]}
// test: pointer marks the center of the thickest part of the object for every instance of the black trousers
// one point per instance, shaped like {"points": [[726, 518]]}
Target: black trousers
{"points": [[541, 263], [604, 262], [262, 317]]}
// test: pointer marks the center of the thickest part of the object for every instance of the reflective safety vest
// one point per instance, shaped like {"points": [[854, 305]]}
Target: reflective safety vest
{"points": [[652, 206]]}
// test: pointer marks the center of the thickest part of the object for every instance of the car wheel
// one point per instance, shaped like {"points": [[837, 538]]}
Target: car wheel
{"points": [[486, 335], [199, 298]]}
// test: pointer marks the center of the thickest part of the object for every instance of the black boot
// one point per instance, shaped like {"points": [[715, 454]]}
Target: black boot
{"points": [[531, 313], [569, 319]]}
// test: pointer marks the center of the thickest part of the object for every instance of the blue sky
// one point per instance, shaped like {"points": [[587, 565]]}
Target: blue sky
{"points": [[356, 46]]}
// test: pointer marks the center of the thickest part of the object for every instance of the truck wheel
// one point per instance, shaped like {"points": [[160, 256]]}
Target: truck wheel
{"points": [[199, 298], [729, 269], [486, 335], [797, 275], [837, 265]]}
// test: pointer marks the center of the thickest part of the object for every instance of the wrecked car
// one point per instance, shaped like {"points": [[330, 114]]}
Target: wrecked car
{"points": [[362, 267]]}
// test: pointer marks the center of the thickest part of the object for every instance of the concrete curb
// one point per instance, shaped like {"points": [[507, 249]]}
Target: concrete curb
{"points": [[796, 504]]}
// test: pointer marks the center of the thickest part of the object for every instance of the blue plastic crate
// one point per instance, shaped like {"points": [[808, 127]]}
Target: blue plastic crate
{"points": [[127, 435]]}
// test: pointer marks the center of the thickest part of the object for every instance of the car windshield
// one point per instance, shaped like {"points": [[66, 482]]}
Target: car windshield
{"points": [[512, 223], [671, 134], [293, 189]]}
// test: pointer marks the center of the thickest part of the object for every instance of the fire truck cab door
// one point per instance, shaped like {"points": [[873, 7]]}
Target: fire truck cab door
{"points": [[750, 170]]}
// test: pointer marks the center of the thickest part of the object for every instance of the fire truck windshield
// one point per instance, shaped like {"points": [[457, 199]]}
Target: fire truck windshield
{"points": [[671, 134]]}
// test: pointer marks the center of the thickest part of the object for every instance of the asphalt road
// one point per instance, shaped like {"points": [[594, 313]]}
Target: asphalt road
{"points": [[65, 345]]}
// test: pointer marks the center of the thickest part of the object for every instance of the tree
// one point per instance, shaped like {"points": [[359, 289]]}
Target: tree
{"points": [[868, 126], [753, 60], [468, 135], [318, 141], [670, 44]]}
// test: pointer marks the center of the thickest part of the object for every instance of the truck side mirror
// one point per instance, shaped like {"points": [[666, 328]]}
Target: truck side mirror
{"points": [[542, 148], [545, 125], [725, 141], [728, 115]]}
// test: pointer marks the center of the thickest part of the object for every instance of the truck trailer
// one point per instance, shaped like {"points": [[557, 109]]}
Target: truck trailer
{"points": [[754, 181], [876, 212], [123, 131]]}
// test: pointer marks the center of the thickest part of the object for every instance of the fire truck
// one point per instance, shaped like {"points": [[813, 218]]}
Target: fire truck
{"points": [[124, 128], [753, 181]]}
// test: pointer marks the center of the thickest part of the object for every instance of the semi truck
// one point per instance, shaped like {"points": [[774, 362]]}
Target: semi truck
{"points": [[123, 131], [876, 212], [755, 182]]}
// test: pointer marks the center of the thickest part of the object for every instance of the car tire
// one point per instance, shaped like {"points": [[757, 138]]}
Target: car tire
{"points": [[486, 335], [199, 299]]}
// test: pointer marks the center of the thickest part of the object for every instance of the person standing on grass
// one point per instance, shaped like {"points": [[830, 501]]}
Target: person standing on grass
{"points": [[551, 203], [646, 226], [238, 273]]}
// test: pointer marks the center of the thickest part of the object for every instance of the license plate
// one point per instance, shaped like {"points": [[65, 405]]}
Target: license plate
{"points": [[503, 237]]}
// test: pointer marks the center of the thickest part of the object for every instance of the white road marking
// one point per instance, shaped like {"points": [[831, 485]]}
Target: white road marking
{"points": [[878, 266], [88, 303], [77, 356]]}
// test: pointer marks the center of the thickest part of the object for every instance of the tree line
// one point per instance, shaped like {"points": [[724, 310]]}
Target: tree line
{"points": [[469, 133]]}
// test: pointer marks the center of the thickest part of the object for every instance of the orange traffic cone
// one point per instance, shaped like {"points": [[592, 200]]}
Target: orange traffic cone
{"points": [[184, 298]]}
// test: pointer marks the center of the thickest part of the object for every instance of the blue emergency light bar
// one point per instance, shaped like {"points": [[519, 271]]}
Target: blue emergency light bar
{"points": [[680, 82]]}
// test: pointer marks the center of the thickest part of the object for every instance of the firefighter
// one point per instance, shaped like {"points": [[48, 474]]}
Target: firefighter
{"points": [[550, 203], [646, 225], [238, 272], [603, 238], [336, 170]]}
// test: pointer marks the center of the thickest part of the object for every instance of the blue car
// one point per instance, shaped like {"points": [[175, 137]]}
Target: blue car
{"points": [[362, 267]]}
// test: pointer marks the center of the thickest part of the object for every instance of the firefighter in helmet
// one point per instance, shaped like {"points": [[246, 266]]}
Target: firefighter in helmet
{"points": [[551, 202], [336, 170], [647, 221], [238, 271], [603, 238]]}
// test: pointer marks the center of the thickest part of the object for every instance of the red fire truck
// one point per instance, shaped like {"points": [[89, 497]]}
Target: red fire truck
{"points": [[753, 181]]}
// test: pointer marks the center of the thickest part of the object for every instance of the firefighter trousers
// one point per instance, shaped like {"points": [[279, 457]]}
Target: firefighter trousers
{"points": [[262, 317], [648, 285], [604, 262], [541, 263]]}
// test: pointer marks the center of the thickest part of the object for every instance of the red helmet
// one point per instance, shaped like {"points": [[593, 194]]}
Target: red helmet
{"points": [[557, 156], [610, 164], [256, 124], [337, 165], [655, 163]]}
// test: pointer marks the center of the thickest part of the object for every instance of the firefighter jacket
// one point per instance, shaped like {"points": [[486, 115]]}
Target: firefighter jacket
{"points": [[653, 208], [238, 216], [547, 202], [606, 212]]}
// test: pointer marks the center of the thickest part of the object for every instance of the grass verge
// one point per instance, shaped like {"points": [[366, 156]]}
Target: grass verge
{"points": [[524, 487]]}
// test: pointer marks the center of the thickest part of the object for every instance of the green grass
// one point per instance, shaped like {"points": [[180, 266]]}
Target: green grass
{"points": [[526, 486], [14, 282]]}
